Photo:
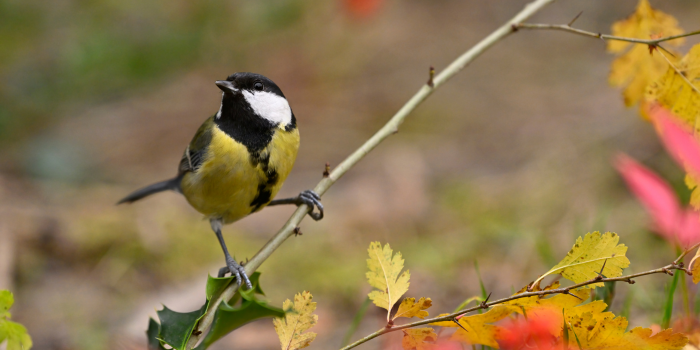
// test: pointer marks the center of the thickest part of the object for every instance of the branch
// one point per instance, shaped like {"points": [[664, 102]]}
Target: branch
{"points": [[675, 265], [391, 127], [568, 28]]}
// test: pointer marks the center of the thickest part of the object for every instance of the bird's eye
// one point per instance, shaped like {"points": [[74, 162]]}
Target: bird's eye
{"points": [[258, 86]]}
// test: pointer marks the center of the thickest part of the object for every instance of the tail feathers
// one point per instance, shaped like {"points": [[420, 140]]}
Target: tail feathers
{"points": [[172, 184]]}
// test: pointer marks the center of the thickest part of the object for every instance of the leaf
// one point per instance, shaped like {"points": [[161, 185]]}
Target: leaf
{"points": [[677, 225], [695, 268], [637, 67], [609, 333], [444, 323], [478, 329], [678, 140], [586, 258], [384, 275], [14, 333], [410, 308], [674, 91], [298, 319], [177, 327], [229, 318], [6, 301], [417, 338]]}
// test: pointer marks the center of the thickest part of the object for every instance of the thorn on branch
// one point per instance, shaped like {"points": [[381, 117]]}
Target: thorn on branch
{"points": [[459, 324], [484, 304], [432, 75], [297, 231], [514, 27], [630, 281], [600, 274], [575, 18], [573, 295], [327, 170]]}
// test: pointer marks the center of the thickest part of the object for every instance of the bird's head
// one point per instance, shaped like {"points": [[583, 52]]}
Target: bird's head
{"points": [[253, 95]]}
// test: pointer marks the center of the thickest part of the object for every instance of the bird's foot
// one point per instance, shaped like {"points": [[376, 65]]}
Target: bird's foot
{"points": [[236, 270], [312, 200]]}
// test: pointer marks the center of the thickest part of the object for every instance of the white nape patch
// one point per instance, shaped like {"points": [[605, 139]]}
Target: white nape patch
{"points": [[269, 106], [218, 114]]}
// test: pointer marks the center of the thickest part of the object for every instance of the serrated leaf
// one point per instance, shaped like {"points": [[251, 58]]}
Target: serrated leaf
{"points": [[418, 338], [609, 333], [674, 92], [384, 275], [176, 327], [152, 334], [216, 285], [228, 318], [636, 68], [410, 308], [478, 329], [15, 334], [444, 323], [585, 260], [298, 319], [695, 267]]}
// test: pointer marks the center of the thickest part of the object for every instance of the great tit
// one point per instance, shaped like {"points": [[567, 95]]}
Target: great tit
{"points": [[238, 159]]}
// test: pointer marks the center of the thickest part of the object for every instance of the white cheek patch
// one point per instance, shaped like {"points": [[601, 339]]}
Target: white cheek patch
{"points": [[269, 106], [218, 114]]}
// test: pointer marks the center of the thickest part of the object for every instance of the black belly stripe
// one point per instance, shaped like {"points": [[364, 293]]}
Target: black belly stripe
{"points": [[265, 187]]}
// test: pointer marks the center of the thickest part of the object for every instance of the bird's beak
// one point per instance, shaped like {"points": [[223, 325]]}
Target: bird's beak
{"points": [[226, 86]]}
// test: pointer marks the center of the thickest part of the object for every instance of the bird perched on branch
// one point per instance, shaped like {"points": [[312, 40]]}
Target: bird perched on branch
{"points": [[238, 159]]}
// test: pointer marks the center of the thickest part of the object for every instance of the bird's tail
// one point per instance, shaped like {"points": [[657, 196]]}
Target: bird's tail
{"points": [[172, 184]]}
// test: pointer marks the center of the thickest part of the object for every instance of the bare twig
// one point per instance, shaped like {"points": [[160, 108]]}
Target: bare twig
{"points": [[568, 28], [675, 265]]}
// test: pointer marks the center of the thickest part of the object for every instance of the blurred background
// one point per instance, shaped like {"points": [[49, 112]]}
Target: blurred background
{"points": [[506, 164]]}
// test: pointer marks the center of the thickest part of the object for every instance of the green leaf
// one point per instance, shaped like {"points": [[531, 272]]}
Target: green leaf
{"points": [[229, 318], [668, 307], [15, 334], [216, 285], [152, 335], [176, 327], [6, 301]]}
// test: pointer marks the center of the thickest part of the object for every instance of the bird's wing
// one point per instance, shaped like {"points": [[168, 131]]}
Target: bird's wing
{"points": [[194, 153]]}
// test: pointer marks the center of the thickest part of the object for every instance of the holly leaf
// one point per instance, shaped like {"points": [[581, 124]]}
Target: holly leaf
{"points": [[418, 338], [229, 318], [410, 308], [679, 92], [299, 318], [176, 328], [383, 274], [152, 335], [637, 67], [588, 256], [476, 329]]}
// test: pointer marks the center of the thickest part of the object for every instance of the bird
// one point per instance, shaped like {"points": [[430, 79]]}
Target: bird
{"points": [[238, 160]]}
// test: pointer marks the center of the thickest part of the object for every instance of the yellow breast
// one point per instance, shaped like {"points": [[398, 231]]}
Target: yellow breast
{"points": [[231, 183]]}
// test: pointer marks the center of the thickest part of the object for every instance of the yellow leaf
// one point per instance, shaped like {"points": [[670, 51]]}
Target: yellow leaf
{"points": [[299, 318], [384, 275], [637, 67], [410, 308], [586, 258], [416, 338], [695, 267], [478, 331], [444, 323], [609, 333], [675, 92]]}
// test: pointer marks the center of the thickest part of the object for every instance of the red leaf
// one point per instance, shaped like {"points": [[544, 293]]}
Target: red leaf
{"points": [[362, 8], [654, 193], [679, 141], [533, 333]]}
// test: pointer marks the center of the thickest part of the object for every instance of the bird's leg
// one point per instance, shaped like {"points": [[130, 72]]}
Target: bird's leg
{"points": [[308, 197], [231, 265]]}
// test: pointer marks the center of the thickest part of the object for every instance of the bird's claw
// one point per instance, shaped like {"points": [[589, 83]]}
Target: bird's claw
{"points": [[312, 200], [237, 271]]}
